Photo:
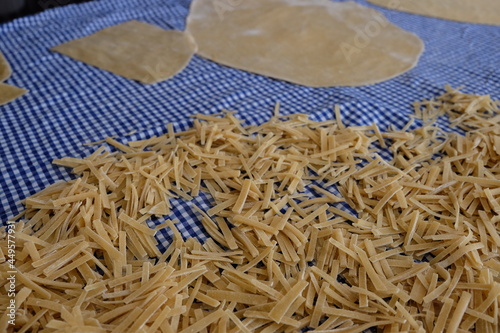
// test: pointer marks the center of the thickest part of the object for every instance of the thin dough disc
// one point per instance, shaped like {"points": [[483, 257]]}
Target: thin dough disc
{"points": [[470, 11], [5, 70], [9, 93], [135, 50], [313, 43]]}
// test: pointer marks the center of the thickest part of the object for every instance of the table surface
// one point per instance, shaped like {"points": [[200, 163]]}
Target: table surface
{"points": [[71, 103]]}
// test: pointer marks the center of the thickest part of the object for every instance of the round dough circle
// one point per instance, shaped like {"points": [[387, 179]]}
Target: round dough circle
{"points": [[313, 43], [135, 50], [470, 11], [5, 69]]}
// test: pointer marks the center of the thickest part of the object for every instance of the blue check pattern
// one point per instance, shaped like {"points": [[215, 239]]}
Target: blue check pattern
{"points": [[71, 103]]}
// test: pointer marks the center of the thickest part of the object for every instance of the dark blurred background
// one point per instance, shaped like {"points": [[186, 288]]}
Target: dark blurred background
{"points": [[11, 9]]}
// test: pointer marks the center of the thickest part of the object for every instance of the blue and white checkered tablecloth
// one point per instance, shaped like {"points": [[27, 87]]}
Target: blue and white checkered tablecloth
{"points": [[71, 103]]}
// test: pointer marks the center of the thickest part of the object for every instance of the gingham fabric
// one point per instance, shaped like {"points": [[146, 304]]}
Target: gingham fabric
{"points": [[71, 103]]}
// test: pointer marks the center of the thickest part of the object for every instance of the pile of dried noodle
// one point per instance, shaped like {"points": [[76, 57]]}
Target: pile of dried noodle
{"points": [[419, 252]]}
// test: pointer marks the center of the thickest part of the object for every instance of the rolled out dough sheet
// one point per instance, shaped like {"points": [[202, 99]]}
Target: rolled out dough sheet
{"points": [[315, 43], [9, 93], [135, 50], [5, 70], [470, 11]]}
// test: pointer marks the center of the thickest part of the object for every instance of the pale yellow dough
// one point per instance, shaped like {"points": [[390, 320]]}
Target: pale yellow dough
{"points": [[135, 50], [315, 43], [5, 70], [9, 93], [471, 11]]}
